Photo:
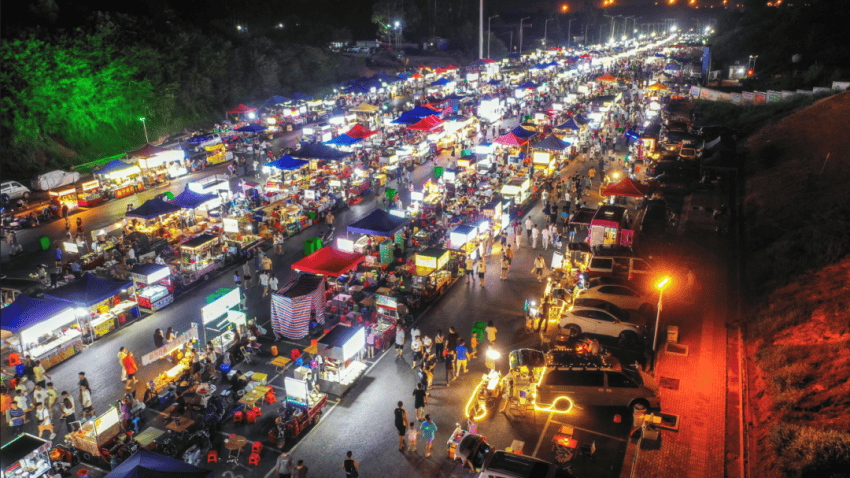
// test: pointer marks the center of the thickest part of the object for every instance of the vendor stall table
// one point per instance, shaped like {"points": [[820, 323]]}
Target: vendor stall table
{"points": [[280, 364], [149, 436], [180, 425]]}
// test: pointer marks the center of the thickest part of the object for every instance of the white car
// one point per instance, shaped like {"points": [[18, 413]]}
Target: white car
{"points": [[14, 190], [620, 293], [594, 316]]}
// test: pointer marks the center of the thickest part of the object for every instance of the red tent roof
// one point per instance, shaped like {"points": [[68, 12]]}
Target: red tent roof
{"points": [[606, 77], [416, 76], [626, 187], [433, 107], [360, 132], [451, 67], [241, 109], [429, 123], [488, 60], [146, 151], [329, 262], [510, 139], [441, 70]]}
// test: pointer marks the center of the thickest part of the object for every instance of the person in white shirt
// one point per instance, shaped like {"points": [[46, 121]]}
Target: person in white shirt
{"points": [[85, 401], [273, 282], [535, 234], [545, 237], [42, 414], [264, 281]]}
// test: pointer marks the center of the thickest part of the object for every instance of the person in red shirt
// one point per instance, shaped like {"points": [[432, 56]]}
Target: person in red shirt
{"points": [[131, 368]]}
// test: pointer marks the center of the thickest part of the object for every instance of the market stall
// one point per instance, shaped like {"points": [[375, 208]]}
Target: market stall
{"points": [[47, 330], [199, 257], [298, 304], [120, 178], [89, 193], [341, 349], [379, 224], [518, 190], [178, 368], [26, 456], [156, 163], [97, 434], [431, 274], [610, 227], [64, 196], [464, 239], [221, 318], [153, 286], [284, 172], [146, 463], [108, 303]]}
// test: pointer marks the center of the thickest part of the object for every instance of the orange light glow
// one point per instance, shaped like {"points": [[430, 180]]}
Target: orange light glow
{"points": [[565, 8], [663, 283]]}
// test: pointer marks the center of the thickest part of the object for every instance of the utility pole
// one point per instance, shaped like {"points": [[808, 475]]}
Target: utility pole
{"points": [[626, 25], [613, 24], [546, 32], [489, 35], [569, 32], [511, 49], [480, 28], [521, 20], [585, 33]]}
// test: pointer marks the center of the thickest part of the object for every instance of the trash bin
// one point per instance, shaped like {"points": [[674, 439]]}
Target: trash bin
{"points": [[312, 245], [672, 334], [638, 415], [45, 242]]}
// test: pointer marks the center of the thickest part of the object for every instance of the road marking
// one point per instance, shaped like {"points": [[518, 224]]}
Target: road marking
{"points": [[542, 434], [591, 431]]}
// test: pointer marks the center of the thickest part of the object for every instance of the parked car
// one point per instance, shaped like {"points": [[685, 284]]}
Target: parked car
{"points": [[599, 317], [653, 222], [54, 179], [494, 463], [14, 190], [688, 154], [612, 387], [620, 293]]}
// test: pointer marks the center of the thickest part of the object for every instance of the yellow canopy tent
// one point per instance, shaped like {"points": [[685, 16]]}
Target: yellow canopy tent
{"points": [[364, 108], [657, 86]]}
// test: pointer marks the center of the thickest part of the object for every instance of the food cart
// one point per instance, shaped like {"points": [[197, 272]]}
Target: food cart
{"points": [[47, 330], [608, 225], [518, 190], [66, 196], [341, 349], [387, 319], [121, 178], [152, 282], [430, 274], [291, 219], [303, 408], [463, 239], [217, 154], [544, 163], [199, 257], [220, 316], [167, 378], [89, 194], [26, 456], [101, 437]]}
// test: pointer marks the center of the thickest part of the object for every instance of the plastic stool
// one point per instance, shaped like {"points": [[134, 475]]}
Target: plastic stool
{"points": [[257, 411], [254, 459], [237, 417], [212, 456], [274, 350], [250, 417], [270, 398], [225, 368], [257, 447]]}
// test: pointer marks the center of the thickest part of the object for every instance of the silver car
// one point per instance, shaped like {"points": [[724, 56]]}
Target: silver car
{"points": [[598, 317]]}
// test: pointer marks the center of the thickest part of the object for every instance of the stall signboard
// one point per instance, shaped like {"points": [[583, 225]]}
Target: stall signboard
{"points": [[345, 245], [154, 277], [106, 421], [541, 158], [431, 262], [386, 302], [231, 225], [296, 388], [70, 247], [310, 194], [398, 213], [181, 340], [557, 260], [449, 176], [220, 306], [355, 344], [334, 183], [416, 196]]}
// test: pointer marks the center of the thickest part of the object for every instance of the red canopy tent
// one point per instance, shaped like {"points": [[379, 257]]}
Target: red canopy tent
{"points": [[451, 67], [241, 109], [428, 123], [147, 151], [606, 77], [626, 187], [416, 76], [488, 60], [328, 261], [360, 132], [440, 70], [510, 139]]}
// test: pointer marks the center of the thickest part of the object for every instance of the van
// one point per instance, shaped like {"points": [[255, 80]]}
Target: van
{"points": [[14, 190], [493, 463], [618, 262], [599, 387]]}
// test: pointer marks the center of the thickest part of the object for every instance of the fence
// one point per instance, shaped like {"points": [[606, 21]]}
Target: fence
{"points": [[760, 97]]}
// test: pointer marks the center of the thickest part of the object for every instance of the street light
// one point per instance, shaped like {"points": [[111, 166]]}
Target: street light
{"points": [[545, 32], [520, 33], [145, 126], [489, 35], [661, 285]]}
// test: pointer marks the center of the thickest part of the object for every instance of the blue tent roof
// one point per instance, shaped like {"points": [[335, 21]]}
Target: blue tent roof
{"points": [[454, 96], [147, 464], [189, 199], [523, 133], [357, 88], [319, 151], [494, 82], [440, 82], [344, 140], [581, 120], [153, 208], [420, 112], [527, 85], [252, 128], [287, 163], [298, 96], [112, 166], [552, 143], [407, 118], [89, 290], [569, 124], [25, 312], [378, 223], [514, 56], [276, 100]]}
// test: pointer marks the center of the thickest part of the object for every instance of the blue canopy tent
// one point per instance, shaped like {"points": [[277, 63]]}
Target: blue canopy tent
{"points": [[514, 56], [153, 208], [494, 82], [569, 124], [523, 133], [25, 312], [148, 464], [344, 140], [454, 96], [112, 166], [552, 143], [421, 112], [89, 290], [440, 82], [276, 100], [287, 163], [407, 119], [378, 223], [319, 151], [298, 96], [252, 128], [357, 88], [528, 85], [581, 120], [189, 199]]}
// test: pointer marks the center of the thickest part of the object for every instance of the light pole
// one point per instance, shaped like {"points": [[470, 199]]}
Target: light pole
{"points": [[626, 24], [545, 33], [489, 35], [569, 32], [586, 41], [613, 23], [145, 126], [661, 285], [481, 29], [520, 33]]}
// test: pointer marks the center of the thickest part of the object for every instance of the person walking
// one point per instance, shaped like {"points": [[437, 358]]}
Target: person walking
{"points": [[284, 465], [419, 400], [490, 330], [429, 430], [451, 339], [462, 357], [482, 269], [246, 273], [85, 402], [535, 234], [350, 466], [264, 281], [121, 354], [42, 414], [301, 470], [539, 265], [15, 418], [130, 366], [399, 341], [416, 348], [505, 263], [528, 226], [40, 375], [273, 282], [400, 424], [412, 437], [450, 366], [469, 265], [68, 412], [439, 344], [545, 236], [237, 280]]}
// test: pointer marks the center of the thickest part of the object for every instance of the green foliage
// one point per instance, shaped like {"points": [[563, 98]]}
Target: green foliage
{"points": [[808, 452], [748, 118]]}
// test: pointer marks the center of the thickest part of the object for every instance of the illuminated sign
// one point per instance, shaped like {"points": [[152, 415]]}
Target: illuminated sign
{"points": [[345, 245], [71, 247], [354, 344], [386, 302], [220, 306], [231, 225], [309, 194]]}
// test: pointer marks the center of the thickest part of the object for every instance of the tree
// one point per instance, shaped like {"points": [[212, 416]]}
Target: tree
{"points": [[385, 14]]}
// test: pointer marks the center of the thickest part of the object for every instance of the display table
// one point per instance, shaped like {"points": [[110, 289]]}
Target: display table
{"points": [[338, 387], [148, 436], [57, 350]]}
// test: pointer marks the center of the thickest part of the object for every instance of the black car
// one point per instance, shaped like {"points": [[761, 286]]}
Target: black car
{"points": [[654, 219], [719, 130]]}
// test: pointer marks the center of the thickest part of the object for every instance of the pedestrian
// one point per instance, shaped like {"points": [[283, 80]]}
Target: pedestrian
{"points": [[490, 330], [535, 234], [15, 417], [85, 402], [301, 470], [528, 226], [482, 269], [352, 469], [462, 357], [429, 429], [419, 401], [545, 236], [273, 282], [544, 315], [572, 234], [42, 414], [469, 265], [400, 423], [121, 354], [266, 262], [450, 366], [452, 339], [284, 465], [399, 341], [52, 396], [130, 366], [439, 344], [84, 380], [412, 436], [427, 344], [539, 265], [505, 265], [68, 412], [246, 273], [472, 351], [169, 335], [264, 281], [40, 374]]}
